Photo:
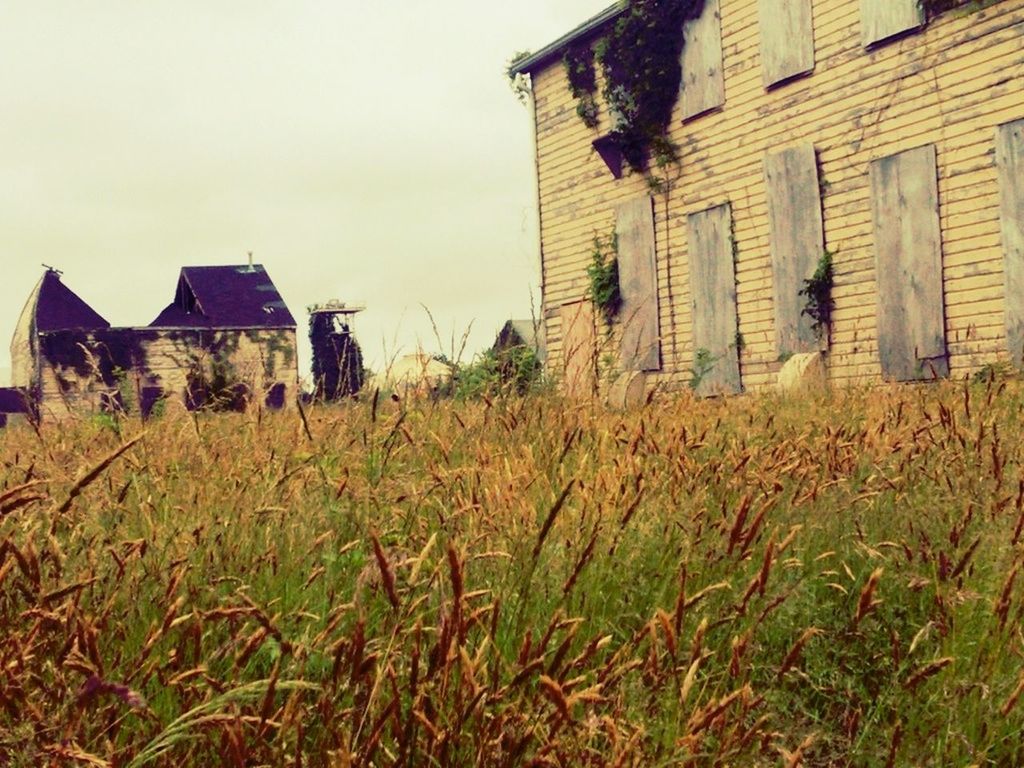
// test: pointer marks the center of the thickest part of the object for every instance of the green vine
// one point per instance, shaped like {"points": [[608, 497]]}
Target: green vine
{"points": [[818, 291], [641, 69], [703, 364], [640, 59], [517, 81], [579, 71], [604, 276], [933, 8]]}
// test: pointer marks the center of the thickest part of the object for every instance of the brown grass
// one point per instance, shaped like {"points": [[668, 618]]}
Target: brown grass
{"points": [[757, 581]]}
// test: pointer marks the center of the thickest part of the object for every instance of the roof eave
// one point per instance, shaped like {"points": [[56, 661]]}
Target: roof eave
{"points": [[553, 50]]}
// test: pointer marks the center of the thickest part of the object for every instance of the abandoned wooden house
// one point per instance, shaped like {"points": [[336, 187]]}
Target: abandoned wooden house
{"points": [[225, 340], [884, 135]]}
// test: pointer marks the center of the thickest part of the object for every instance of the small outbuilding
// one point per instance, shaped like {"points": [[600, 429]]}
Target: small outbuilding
{"points": [[521, 334]]}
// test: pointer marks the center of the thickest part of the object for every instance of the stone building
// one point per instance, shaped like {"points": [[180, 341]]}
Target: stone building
{"points": [[226, 340]]}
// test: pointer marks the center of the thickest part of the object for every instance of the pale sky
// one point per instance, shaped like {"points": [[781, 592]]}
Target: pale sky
{"points": [[365, 151]]}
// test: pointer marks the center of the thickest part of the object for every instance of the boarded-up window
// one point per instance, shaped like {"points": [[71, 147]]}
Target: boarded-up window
{"points": [[787, 39], [797, 241], [638, 283], [703, 81], [882, 19], [713, 291], [908, 261], [1010, 163], [579, 349]]}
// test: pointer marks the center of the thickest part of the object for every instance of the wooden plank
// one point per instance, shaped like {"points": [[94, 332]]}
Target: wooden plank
{"points": [[883, 19], [1010, 167], [908, 262], [579, 350], [640, 348], [703, 82], [797, 241], [787, 39], [713, 296]]}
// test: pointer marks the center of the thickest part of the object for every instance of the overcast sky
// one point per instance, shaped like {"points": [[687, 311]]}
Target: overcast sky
{"points": [[365, 151]]}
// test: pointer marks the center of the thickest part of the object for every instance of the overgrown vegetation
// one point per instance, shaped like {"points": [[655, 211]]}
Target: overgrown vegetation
{"points": [[703, 364], [834, 581], [603, 273], [582, 76], [641, 62], [818, 292], [213, 384], [934, 8], [512, 371], [519, 83], [641, 69], [337, 359]]}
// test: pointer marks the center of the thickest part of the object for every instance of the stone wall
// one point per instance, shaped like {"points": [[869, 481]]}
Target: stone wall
{"points": [[142, 369]]}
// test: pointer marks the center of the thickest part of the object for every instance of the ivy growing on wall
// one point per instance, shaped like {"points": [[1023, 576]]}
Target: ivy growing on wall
{"points": [[518, 82], [337, 358], [818, 292], [933, 8], [640, 60], [640, 63], [582, 76], [604, 276]]}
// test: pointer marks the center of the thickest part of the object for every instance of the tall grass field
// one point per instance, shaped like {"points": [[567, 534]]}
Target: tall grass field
{"points": [[525, 581]]}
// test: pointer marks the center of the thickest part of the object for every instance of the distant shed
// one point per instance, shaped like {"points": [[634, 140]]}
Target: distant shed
{"points": [[522, 333]]}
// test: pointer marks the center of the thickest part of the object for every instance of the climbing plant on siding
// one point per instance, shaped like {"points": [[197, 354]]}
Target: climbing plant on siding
{"points": [[640, 63], [579, 71], [337, 358], [518, 82], [933, 8], [818, 291], [603, 272]]}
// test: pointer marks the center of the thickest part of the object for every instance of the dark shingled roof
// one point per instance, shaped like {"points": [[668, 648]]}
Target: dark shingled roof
{"points": [[13, 401], [58, 308], [225, 297]]}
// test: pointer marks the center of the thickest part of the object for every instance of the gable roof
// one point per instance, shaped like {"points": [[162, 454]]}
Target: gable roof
{"points": [[584, 31], [225, 297], [58, 308]]}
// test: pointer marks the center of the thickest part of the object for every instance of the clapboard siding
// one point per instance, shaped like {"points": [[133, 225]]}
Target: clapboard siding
{"points": [[950, 85]]}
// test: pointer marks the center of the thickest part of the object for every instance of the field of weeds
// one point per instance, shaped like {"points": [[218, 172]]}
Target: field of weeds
{"points": [[756, 581]]}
